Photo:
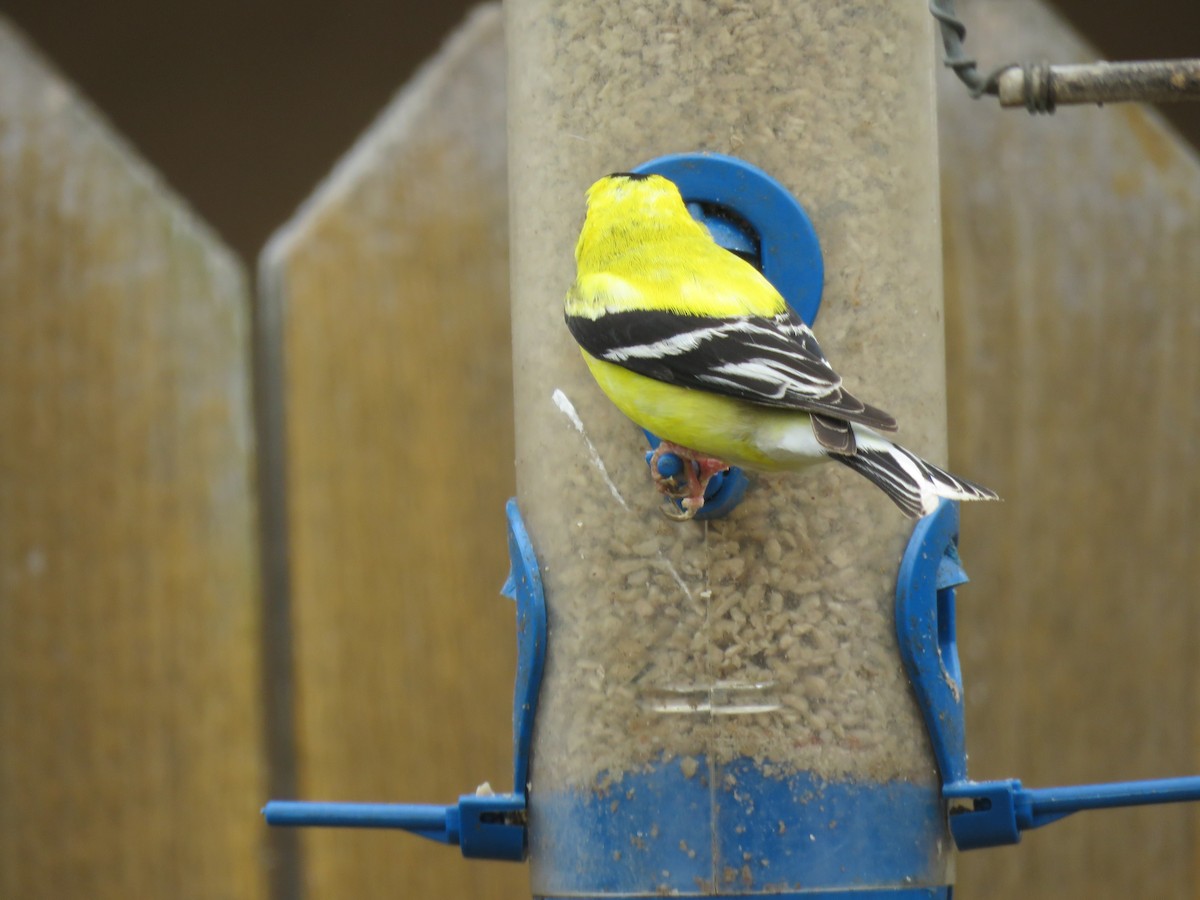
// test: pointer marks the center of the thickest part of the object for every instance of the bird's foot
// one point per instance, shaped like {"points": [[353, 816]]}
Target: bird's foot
{"points": [[698, 470]]}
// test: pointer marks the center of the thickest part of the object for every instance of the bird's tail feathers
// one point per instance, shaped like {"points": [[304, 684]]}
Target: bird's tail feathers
{"points": [[912, 483]]}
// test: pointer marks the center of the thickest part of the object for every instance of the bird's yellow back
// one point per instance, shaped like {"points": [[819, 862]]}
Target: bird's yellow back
{"points": [[640, 248]]}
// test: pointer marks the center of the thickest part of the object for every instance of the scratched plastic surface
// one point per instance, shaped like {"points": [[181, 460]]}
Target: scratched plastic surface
{"points": [[759, 647]]}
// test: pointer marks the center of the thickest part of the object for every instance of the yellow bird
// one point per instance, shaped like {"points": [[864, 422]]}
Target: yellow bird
{"points": [[692, 343]]}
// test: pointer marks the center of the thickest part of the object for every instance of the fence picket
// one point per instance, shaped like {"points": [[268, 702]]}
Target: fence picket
{"points": [[131, 758], [387, 298]]}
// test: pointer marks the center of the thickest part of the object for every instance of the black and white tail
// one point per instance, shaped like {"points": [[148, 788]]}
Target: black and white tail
{"points": [[913, 484]]}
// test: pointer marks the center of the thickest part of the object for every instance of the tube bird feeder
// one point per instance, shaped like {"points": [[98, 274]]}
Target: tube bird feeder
{"points": [[724, 709]]}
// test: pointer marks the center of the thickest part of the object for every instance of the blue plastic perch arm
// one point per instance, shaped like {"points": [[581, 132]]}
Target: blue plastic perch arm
{"points": [[487, 827], [996, 812], [438, 823]]}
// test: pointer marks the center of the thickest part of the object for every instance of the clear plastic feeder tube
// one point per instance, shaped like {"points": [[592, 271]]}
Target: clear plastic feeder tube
{"points": [[724, 710]]}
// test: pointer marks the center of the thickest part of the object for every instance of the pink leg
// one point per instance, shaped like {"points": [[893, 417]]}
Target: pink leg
{"points": [[698, 470]]}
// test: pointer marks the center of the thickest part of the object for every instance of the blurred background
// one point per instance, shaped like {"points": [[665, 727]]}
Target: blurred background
{"points": [[244, 106]]}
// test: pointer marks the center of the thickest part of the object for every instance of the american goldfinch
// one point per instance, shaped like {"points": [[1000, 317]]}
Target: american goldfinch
{"points": [[692, 343]]}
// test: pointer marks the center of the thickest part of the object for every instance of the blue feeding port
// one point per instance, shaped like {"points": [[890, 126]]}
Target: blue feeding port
{"points": [[981, 813], [483, 825], [751, 214]]}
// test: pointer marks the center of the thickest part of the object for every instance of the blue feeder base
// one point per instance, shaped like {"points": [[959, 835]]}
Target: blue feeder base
{"points": [[681, 829]]}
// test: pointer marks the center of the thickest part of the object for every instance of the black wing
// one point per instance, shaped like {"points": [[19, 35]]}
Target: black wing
{"points": [[773, 362]]}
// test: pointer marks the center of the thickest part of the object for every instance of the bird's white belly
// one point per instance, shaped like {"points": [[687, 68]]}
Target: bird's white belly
{"points": [[789, 442]]}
